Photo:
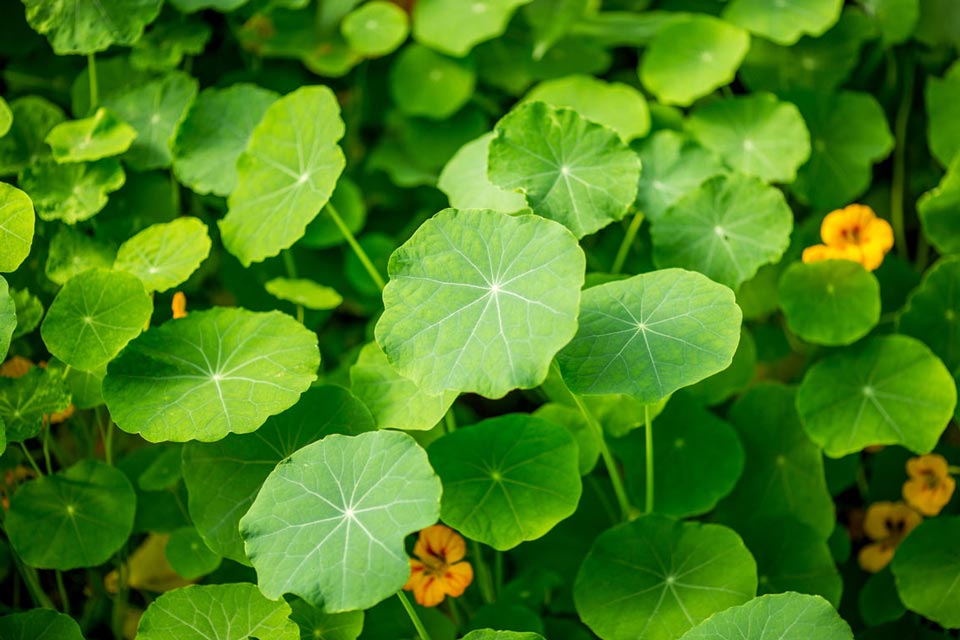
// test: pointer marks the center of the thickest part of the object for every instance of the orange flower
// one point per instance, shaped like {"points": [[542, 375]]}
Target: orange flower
{"points": [[439, 571], [930, 486], [179, 305], [887, 523], [852, 233]]}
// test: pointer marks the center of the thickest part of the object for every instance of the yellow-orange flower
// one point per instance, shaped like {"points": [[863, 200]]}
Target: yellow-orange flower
{"points": [[930, 486], [179, 305], [887, 524], [439, 571], [852, 233]]}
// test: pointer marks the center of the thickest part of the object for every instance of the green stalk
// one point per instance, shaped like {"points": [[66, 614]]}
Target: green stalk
{"points": [[46, 447], [627, 242], [33, 463], [357, 249], [449, 421], [92, 75], [484, 581], [897, 185], [414, 618], [291, 268], [62, 590], [30, 578], [648, 439], [498, 572]]}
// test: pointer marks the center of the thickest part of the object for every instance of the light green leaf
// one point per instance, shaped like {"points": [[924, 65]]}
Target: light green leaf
{"points": [[285, 175], [490, 634], [498, 292], [573, 421], [16, 227], [937, 210], [316, 624], [33, 118], [551, 20], [375, 28], [614, 104], [720, 386], [115, 75], [426, 83], [214, 372], [223, 6], [453, 27], [24, 401], [691, 57], [926, 566], [165, 45], [29, 311], [8, 318], [571, 170], [757, 135], [39, 624], [932, 312], [94, 316], [464, 180], [786, 20], [651, 334], [304, 292], [165, 255], [654, 578], [727, 229], [6, 117], [896, 19], [71, 192], [349, 502], [205, 152], [100, 136], [787, 616], [189, 556], [72, 252], [943, 130], [74, 26], [886, 390], [78, 517], [235, 611]]}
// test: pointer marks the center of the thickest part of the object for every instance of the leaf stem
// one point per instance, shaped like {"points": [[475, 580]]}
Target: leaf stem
{"points": [[414, 618], [648, 440], [33, 463], [484, 581], [92, 76], [62, 590], [898, 182], [449, 420], [291, 266], [32, 580], [627, 242], [357, 249], [497, 572], [46, 446]]}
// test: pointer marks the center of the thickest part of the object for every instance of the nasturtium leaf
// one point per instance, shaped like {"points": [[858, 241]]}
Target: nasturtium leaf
{"points": [[33, 118], [16, 227], [155, 110], [39, 624], [75, 26], [100, 136], [673, 166], [78, 517], [71, 192], [464, 180], [223, 6], [189, 556], [848, 133], [726, 229], [454, 27], [507, 479], [496, 291], [29, 311], [6, 117], [926, 567], [235, 611], [741, 372], [783, 473], [165, 255], [205, 151], [347, 199], [651, 334], [689, 58], [785, 616], [348, 503], [24, 402], [490, 634], [937, 210], [878, 601], [285, 175], [614, 104], [72, 251], [932, 313], [830, 302], [571, 170], [784, 21], [655, 577], [115, 75], [314, 623], [426, 83], [587, 441], [886, 390], [896, 19], [304, 292], [8, 317], [223, 477], [165, 45], [375, 28], [943, 131], [164, 471], [94, 316], [214, 372], [756, 134]]}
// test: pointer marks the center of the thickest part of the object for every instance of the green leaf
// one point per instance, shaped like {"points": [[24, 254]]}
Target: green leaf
{"points": [[726, 229], [426, 83], [94, 316], [71, 192], [165, 255], [29, 312], [735, 378], [6, 117], [787, 616], [507, 479], [452, 27], [932, 312], [165, 45], [689, 58], [8, 317], [75, 518], [223, 478], [285, 175], [39, 624], [878, 601], [937, 210], [235, 611], [115, 75], [614, 104], [896, 19], [490, 634], [24, 401], [314, 623], [654, 578], [943, 131], [756, 134], [587, 441], [926, 566], [464, 180], [348, 201], [72, 252], [570, 169], [484, 288], [830, 302], [189, 556], [100, 136], [73, 26], [16, 227], [784, 21], [651, 334], [375, 29], [304, 292], [348, 503], [205, 152], [214, 372], [33, 118], [886, 390]]}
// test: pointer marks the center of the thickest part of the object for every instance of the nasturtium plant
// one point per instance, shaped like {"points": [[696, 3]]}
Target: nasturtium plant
{"points": [[784, 21], [71, 192], [100, 136], [16, 227], [785, 616], [165, 255]]}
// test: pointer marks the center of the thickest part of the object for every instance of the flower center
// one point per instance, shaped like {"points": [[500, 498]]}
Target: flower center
{"points": [[930, 480], [852, 235]]}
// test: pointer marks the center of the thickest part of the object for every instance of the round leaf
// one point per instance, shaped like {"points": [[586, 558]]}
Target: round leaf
{"points": [[651, 334], [787, 616], [33, 118], [72, 252], [304, 292], [937, 211], [932, 313], [8, 317], [16, 227], [926, 567], [943, 132], [314, 623], [39, 624], [188, 555], [214, 372], [454, 27], [498, 292], [375, 29], [100, 136], [88, 27], [71, 192], [887, 390], [165, 255], [425, 83], [24, 402], [784, 21], [464, 180], [614, 104], [490, 634], [75, 518], [348, 503]]}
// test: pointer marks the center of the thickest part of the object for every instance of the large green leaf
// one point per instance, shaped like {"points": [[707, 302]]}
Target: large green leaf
{"points": [[375, 28], [655, 577], [222, 478], [937, 210], [165, 255], [726, 229], [886, 390], [932, 312], [480, 301], [784, 21], [78, 517], [490, 634], [187, 553], [8, 317], [507, 479], [72, 251], [214, 372], [614, 104], [71, 192], [464, 180], [33, 118], [425, 83], [787, 616], [39, 624], [454, 27], [16, 227], [285, 175], [314, 623], [943, 131], [235, 611], [348, 503], [570, 169], [926, 567], [24, 402], [88, 26], [651, 334], [100, 136]]}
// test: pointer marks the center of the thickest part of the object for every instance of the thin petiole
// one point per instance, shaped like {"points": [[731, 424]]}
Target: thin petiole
{"points": [[898, 182], [414, 618], [484, 581], [92, 75], [648, 440], [627, 242], [291, 267], [357, 249]]}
